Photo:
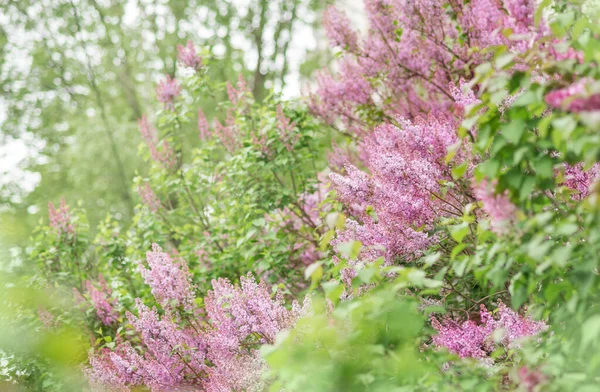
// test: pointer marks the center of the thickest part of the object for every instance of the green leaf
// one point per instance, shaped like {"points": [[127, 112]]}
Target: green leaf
{"points": [[579, 27], [505, 59], [452, 151], [518, 293], [333, 290], [459, 171], [564, 125], [459, 232], [544, 167], [260, 222], [519, 154], [567, 229], [314, 271], [526, 187], [326, 239], [488, 168], [456, 250], [514, 130], [350, 249], [590, 330]]}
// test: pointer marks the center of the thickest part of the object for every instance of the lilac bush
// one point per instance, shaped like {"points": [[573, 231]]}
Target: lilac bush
{"points": [[215, 349], [462, 139]]}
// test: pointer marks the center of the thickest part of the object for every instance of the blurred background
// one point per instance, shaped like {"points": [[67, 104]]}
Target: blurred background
{"points": [[76, 75]]}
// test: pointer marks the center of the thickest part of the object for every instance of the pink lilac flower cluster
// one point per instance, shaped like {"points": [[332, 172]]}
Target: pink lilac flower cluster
{"points": [[166, 92], [170, 281], [164, 156], [286, 129], [183, 354], [306, 214], [405, 156], [236, 94], [580, 180], [463, 97], [497, 206], [260, 141], [239, 314], [103, 304], [148, 197], [47, 318], [568, 54], [60, 218], [471, 339], [339, 30], [407, 165], [521, 13], [203, 126], [188, 57], [228, 133], [411, 53], [531, 378], [575, 98]]}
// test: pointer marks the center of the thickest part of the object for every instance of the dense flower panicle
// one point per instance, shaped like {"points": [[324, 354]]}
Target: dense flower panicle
{"points": [[384, 64], [148, 197], [46, 317], [168, 345], [580, 180], [467, 340], [60, 218], [403, 189], [170, 281], [188, 57], [463, 96], [497, 206], [147, 130], [247, 309], [260, 141], [474, 340], [337, 25], [575, 98], [354, 188], [483, 18], [516, 327], [103, 375], [220, 356], [166, 155], [236, 314], [167, 91], [232, 93], [203, 125], [238, 374], [172, 356], [531, 378], [286, 129], [339, 96], [521, 12], [569, 53], [228, 133], [236, 94], [306, 214], [338, 156], [102, 304], [310, 254]]}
